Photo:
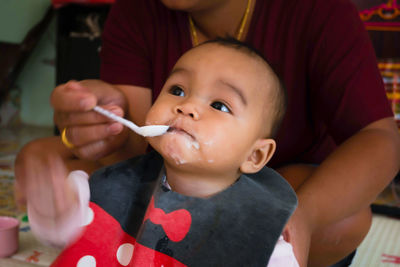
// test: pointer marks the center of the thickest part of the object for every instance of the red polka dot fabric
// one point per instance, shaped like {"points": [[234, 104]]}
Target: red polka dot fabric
{"points": [[104, 243]]}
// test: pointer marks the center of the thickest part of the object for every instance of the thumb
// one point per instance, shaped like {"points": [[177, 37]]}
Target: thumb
{"points": [[73, 96], [105, 93]]}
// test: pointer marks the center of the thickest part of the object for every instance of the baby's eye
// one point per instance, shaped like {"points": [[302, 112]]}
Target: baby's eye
{"points": [[220, 106], [176, 90]]}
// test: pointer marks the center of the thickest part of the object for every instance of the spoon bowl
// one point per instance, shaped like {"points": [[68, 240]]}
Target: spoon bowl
{"points": [[146, 131]]}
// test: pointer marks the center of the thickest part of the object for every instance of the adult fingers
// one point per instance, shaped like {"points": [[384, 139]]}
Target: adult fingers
{"points": [[73, 96], [67, 119], [99, 149], [87, 94], [83, 135]]}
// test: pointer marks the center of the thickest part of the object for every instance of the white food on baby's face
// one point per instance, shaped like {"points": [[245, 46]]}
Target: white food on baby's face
{"points": [[180, 146], [178, 160], [208, 143], [183, 147], [193, 144]]}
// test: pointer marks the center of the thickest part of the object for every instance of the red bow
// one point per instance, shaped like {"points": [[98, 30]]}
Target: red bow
{"points": [[175, 224]]}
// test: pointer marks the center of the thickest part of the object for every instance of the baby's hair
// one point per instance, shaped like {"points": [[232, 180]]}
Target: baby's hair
{"points": [[281, 96]]}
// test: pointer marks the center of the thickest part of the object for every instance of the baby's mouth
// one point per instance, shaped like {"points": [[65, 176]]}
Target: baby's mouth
{"points": [[178, 130]]}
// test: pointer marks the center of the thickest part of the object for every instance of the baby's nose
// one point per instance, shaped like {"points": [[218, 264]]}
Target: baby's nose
{"points": [[187, 110]]}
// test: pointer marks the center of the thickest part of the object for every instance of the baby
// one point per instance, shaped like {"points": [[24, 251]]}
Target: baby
{"points": [[205, 199]]}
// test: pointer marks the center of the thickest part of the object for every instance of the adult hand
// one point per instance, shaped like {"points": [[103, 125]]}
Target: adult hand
{"points": [[92, 135]]}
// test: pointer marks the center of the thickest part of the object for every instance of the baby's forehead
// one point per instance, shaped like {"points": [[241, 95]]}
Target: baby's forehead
{"points": [[238, 61], [217, 48], [215, 52], [247, 55]]}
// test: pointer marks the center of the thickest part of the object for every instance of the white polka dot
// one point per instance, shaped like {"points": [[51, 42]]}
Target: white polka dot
{"points": [[124, 253], [88, 217], [86, 261]]}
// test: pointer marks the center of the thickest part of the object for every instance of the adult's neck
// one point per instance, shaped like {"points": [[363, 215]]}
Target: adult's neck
{"points": [[201, 183], [221, 19]]}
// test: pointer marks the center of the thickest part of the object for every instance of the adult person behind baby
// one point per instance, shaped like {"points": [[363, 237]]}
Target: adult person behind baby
{"points": [[338, 116], [221, 122]]}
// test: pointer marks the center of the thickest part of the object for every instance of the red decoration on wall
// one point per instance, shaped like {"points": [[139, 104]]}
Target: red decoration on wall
{"points": [[384, 17]]}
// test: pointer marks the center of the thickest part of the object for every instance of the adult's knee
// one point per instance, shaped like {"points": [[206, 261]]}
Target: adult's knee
{"points": [[334, 242]]}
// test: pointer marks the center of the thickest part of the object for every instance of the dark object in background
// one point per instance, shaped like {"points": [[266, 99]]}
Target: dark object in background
{"points": [[79, 30], [391, 208], [386, 44]]}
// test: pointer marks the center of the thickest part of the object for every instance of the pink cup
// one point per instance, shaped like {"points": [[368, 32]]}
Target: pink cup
{"points": [[9, 228]]}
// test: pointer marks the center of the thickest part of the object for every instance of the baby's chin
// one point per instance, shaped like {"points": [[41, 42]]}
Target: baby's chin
{"points": [[177, 149]]}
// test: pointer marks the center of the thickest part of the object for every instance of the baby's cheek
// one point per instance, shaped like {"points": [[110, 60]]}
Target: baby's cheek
{"points": [[170, 145], [208, 150], [217, 147], [150, 119], [155, 115]]}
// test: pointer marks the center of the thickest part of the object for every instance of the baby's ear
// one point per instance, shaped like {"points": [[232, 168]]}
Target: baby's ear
{"points": [[261, 153]]}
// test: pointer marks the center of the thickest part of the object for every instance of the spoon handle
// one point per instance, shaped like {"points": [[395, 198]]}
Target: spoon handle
{"points": [[119, 119]]}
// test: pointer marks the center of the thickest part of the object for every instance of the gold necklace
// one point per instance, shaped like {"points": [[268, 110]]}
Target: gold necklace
{"points": [[238, 35]]}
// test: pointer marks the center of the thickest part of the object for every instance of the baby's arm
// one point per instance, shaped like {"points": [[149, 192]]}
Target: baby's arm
{"points": [[57, 208]]}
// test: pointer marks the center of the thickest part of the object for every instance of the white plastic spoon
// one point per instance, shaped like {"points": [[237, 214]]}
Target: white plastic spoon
{"points": [[149, 130]]}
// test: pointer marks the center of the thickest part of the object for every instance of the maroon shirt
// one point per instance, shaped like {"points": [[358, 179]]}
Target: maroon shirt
{"points": [[319, 47]]}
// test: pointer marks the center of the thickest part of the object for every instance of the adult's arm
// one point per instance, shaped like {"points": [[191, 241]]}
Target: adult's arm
{"points": [[348, 95], [352, 176], [345, 183]]}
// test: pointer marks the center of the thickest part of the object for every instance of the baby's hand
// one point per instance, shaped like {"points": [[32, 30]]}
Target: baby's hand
{"points": [[57, 207], [51, 195]]}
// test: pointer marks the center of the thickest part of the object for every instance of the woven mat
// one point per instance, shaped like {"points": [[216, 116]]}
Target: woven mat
{"points": [[381, 247], [31, 252]]}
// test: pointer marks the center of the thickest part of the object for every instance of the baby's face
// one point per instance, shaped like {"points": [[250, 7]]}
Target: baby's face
{"points": [[214, 102]]}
